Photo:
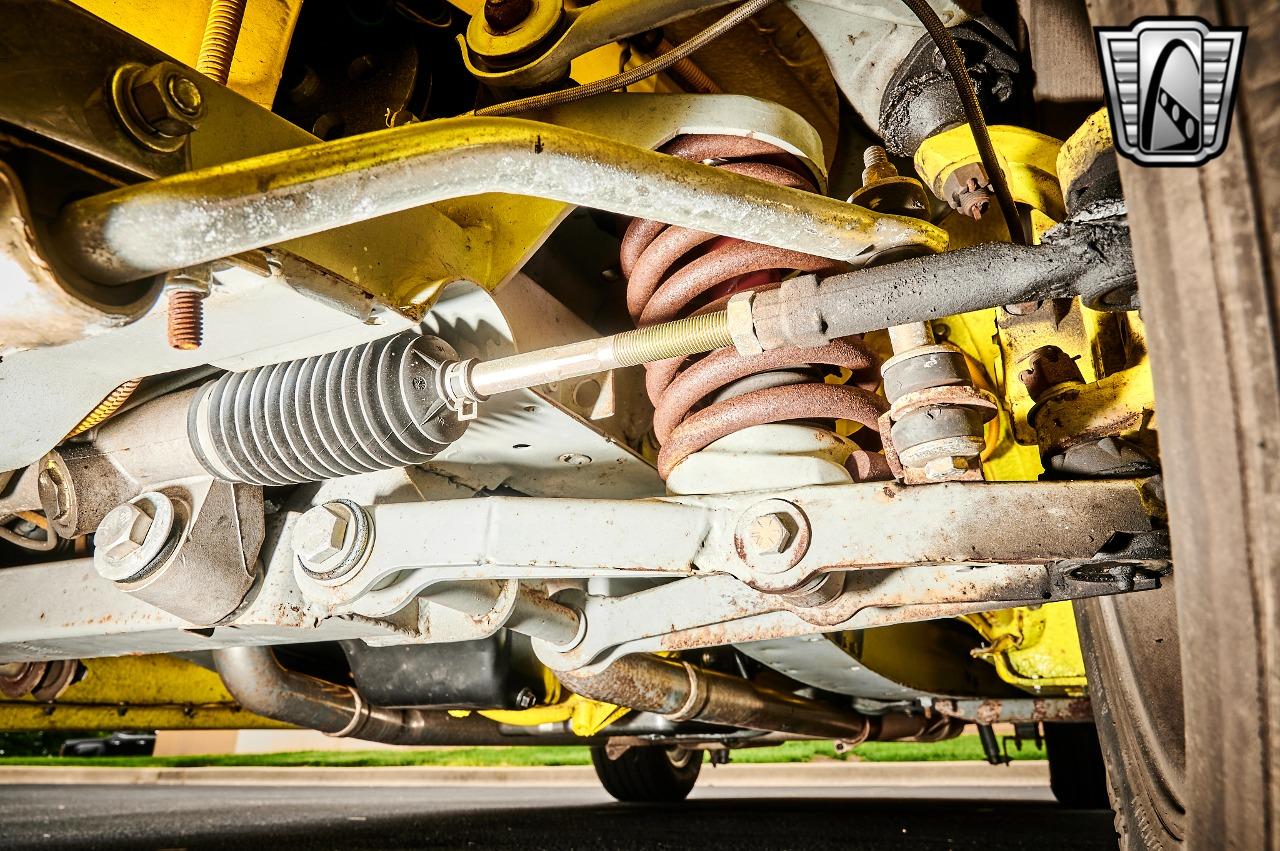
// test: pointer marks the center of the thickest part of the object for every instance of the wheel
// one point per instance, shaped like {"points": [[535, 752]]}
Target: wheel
{"points": [[1077, 775], [1207, 256], [648, 775], [1130, 645]]}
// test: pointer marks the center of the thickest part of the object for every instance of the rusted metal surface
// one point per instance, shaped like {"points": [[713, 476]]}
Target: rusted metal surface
{"points": [[950, 456], [708, 611], [1049, 368], [41, 680], [772, 404], [1016, 710], [725, 366], [262, 685], [1118, 405], [856, 527], [1090, 257], [876, 553], [185, 319], [968, 190], [685, 692], [663, 284]]}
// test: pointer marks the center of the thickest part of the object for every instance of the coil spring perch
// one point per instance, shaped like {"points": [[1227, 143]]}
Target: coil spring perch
{"points": [[677, 271]]}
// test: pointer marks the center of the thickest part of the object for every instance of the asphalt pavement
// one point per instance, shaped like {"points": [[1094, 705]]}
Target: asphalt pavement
{"points": [[528, 818]]}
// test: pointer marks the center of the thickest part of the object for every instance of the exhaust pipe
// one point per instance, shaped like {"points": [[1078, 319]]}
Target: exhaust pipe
{"points": [[684, 692], [677, 690], [265, 687]]}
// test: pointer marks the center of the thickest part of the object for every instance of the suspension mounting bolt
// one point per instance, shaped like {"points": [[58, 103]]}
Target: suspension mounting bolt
{"points": [[769, 534], [771, 537], [320, 535], [876, 165], [123, 531], [331, 539], [185, 95], [166, 100], [132, 535], [885, 191]]}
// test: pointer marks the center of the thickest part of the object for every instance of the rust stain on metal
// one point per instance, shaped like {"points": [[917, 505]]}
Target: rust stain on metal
{"points": [[664, 284], [1017, 710]]}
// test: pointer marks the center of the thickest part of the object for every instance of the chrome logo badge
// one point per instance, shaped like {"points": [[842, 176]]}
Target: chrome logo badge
{"points": [[1170, 87]]}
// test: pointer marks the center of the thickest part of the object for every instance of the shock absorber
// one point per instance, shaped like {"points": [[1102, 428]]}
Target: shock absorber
{"points": [[371, 407], [676, 271]]}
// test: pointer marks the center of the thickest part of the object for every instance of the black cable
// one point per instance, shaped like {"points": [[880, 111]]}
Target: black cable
{"points": [[954, 60], [636, 74]]}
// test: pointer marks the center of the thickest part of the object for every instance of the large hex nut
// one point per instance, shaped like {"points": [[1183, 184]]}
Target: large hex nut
{"points": [[167, 100], [159, 106]]}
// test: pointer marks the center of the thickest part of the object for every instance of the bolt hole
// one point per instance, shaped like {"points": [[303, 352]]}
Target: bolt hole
{"points": [[329, 126], [361, 68], [587, 393]]}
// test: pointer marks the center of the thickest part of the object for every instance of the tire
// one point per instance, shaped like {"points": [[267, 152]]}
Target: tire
{"points": [[1077, 775], [648, 775], [1130, 645], [1207, 256]]}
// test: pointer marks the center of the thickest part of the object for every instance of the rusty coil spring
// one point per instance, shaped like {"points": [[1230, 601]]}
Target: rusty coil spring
{"points": [[675, 271]]}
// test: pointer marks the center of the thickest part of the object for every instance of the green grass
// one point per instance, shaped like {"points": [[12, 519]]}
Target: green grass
{"points": [[962, 748]]}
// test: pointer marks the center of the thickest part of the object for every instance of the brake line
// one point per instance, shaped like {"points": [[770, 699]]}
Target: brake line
{"points": [[640, 72], [955, 63]]}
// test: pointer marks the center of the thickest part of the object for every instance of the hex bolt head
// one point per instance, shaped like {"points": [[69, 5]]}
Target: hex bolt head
{"points": [[131, 536], [769, 534], [54, 495], [166, 100], [526, 698], [123, 531], [320, 535]]}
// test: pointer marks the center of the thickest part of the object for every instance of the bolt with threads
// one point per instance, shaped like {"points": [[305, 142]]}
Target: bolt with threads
{"points": [[186, 290], [876, 165]]}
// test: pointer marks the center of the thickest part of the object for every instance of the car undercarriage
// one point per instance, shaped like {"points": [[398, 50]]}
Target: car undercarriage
{"points": [[668, 377]]}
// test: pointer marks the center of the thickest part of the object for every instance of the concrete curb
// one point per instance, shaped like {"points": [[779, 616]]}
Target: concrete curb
{"points": [[790, 775]]}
